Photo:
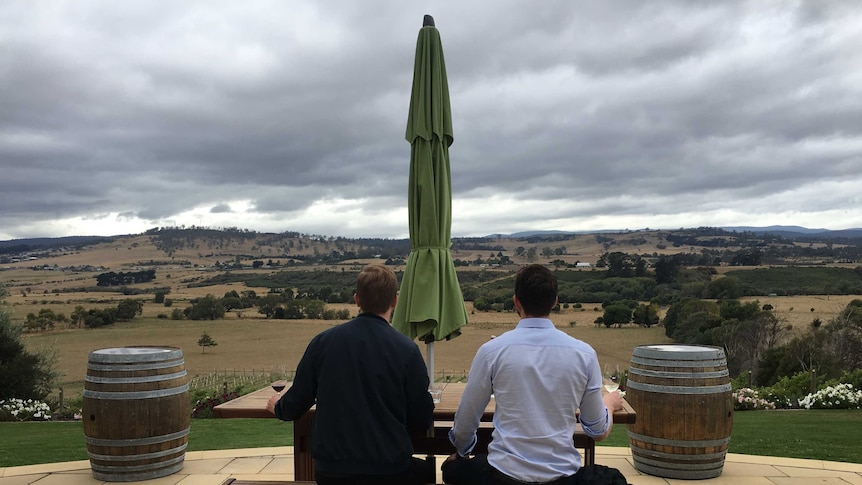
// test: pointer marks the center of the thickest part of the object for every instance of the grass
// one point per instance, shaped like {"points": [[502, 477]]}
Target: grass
{"points": [[31, 443], [830, 435]]}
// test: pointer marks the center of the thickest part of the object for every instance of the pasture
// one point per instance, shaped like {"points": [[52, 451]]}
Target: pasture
{"points": [[276, 346], [247, 341]]}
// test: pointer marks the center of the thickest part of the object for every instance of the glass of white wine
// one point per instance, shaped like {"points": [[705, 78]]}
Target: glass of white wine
{"points": [[611, 377]]}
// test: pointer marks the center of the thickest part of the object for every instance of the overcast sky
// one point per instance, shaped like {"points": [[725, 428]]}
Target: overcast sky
{"points": [[119, 116]]}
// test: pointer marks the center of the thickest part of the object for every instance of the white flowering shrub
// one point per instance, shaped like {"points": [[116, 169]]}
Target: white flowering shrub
{"points": [[839, 396], [746, 399], [24, 410]]}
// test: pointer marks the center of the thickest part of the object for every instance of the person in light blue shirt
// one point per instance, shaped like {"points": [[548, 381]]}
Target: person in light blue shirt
{"points": [[539, 377]]}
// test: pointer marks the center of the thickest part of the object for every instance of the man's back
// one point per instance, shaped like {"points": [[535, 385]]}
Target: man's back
{"points": [[371, 384], [539, 377]]}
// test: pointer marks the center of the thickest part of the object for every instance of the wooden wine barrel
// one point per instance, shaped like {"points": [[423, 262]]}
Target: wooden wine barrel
{"points": [[685, 411], [136, 412]]}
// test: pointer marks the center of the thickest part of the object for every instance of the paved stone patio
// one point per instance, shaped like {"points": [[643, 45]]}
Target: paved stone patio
{"points": [[214, 467]]}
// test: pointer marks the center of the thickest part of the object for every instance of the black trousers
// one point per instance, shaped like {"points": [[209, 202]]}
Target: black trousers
{"points": [[419, 472], [477, 471]]}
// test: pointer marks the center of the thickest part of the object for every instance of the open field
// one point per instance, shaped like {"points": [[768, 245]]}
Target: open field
{"points": [[247, 341], [254, 343], [277, 345]]}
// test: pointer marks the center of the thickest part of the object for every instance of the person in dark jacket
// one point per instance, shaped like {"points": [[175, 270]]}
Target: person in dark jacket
{"points": [[370, 385]]}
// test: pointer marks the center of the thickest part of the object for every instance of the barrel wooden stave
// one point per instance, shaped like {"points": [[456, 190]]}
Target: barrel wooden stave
{"points": [[136, 413], [685, 411]]}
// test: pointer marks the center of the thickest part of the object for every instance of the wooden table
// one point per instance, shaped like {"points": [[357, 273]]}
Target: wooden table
{"points": [[253, 405]]}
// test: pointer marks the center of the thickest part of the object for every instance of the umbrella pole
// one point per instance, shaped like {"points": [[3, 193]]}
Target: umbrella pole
{"points": [[429, 351], [429, 346]]}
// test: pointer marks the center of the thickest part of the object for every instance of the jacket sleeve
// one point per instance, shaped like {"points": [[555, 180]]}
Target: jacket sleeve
{"points": [[302, 394], [420, 408]]}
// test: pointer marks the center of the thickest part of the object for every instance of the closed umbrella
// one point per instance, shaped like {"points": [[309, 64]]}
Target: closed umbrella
{"points": [[430, 303]]}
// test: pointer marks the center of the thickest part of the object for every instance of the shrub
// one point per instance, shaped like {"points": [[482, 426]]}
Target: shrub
{"points": [[203, 408], [840, 396], [748, 399], [24, 410]]}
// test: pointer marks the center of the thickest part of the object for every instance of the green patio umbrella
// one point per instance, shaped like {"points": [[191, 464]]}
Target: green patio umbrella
{"points": [[430, 303]]}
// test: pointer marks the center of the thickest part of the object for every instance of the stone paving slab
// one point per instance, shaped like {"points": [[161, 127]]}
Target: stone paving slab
{"points": [[276, 463]]}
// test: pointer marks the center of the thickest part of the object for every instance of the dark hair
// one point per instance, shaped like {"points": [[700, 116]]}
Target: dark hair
{"points": [[536, 289], [376, 287]]}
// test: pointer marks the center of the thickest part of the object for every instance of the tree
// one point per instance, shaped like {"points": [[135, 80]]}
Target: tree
{"points": [[127, 309], [206, 308], [666, 269], [617, 313], [728, 287], [206, 341], [646, 315], [23, 375]]}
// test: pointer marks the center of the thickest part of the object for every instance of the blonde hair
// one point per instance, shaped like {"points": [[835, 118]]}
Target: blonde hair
{"points": [[376, 287]]}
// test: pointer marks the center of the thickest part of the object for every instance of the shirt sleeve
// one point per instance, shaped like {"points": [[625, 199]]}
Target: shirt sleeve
{"points": [[594, 417], [477, 394], [301, 395]]}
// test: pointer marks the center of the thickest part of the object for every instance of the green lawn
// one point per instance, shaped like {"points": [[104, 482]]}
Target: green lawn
{"points": [[822, 435]]}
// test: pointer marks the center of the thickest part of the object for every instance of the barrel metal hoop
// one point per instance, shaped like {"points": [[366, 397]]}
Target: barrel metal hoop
{"points": [[163, 354], [687, 355], [139, 456], [639, 386], [684, 466], [134, 367], [674, 473], [678, 375], [679, 363], [139, 441], [684, 443], [645, 454], [133, 477], [135, 380], [137, 468], [125, 396]]}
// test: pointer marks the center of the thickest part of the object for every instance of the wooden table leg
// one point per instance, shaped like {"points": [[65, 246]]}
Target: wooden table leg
{"points": [[303, 464]]}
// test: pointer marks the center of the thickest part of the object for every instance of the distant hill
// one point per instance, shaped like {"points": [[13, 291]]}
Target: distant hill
{"points": [[37, 243], [798, 231]]}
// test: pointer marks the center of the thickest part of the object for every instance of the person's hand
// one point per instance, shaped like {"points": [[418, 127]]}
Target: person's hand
{"points": [[451, 458], [270, 405], [613, 400]]}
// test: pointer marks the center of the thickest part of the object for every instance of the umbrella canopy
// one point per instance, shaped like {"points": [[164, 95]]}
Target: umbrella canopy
{"points": [[430, 303]]}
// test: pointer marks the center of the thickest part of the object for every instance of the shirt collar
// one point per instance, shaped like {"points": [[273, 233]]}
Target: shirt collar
{"points": [[535, 323]]}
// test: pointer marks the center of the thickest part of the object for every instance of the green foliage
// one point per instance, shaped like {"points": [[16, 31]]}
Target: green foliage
{"points": [[723, 288], [206, 308], [206, 341], [686, 317], [790, 389], [23, 374], [44, 320], [616, 314], [799, 281], [646, 315], [121, 279], [128, 309]]}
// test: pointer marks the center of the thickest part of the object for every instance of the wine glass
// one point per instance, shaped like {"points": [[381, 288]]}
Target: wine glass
{"points": [[279, 385], [611, 377]]}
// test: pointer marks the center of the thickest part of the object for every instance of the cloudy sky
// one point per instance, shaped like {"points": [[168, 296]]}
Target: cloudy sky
{"points": [[119, 116]]}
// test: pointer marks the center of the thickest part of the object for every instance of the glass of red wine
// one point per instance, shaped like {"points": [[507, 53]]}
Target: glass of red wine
{"points": [[279, 385]]}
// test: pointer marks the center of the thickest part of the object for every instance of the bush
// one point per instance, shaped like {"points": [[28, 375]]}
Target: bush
{"points": [[24, 410], [23, 374], [787, 392], [203, 408], [746, 399], [840, 396]]}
